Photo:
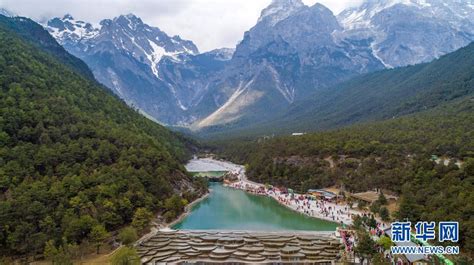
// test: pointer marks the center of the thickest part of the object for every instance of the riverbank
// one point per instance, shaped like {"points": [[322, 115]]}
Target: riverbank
{"points": [[283, 204], [337, 213], [187, 210], [165, 226]]}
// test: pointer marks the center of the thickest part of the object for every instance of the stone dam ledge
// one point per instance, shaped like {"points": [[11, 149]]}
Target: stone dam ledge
{"points": [[240, 247]]}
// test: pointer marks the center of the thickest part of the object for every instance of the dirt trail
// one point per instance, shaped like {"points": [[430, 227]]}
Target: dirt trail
{"points": [[332, 164]]}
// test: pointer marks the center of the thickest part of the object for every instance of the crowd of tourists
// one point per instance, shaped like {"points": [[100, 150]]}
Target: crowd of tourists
{"points": [[348, 238]]}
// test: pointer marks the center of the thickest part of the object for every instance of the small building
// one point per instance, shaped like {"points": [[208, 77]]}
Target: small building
{"points": [[297, 134], [212, 176], [207, 168], [322, 194]]}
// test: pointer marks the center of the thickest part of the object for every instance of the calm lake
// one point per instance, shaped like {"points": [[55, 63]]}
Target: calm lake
{"points": [[231, 209]]}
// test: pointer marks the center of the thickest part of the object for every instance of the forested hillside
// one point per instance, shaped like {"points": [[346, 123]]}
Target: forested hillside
{"points": [[37, 36], [394, 155], [75, 161]]}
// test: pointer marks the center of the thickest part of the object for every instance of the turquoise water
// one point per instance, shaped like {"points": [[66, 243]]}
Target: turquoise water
{"points": [[231, 209]]}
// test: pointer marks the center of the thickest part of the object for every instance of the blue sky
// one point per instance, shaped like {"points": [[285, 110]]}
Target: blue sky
{"points": [[209, 23]]}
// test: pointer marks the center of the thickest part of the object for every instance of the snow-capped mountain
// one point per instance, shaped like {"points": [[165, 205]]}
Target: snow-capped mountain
{"points": [[293, 51], [124, 54], [405, 32], [279, 10], [128, 33], [289, 54], [69, 30]]}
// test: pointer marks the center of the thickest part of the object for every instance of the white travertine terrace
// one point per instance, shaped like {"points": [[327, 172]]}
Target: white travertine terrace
{"points": [[209, 246]]}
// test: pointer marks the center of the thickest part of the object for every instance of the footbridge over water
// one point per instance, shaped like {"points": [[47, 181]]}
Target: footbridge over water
{"points": [[214, 170], [215, 247]]}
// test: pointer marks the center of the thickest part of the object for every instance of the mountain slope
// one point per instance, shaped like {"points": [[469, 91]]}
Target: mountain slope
{"points": [[288, 54], [39, 37], [131, 58], [381, 95], [293, 51], [406, 32], [74, 158]]}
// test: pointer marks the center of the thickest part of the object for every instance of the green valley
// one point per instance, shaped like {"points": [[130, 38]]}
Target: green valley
{"points": [[393, 155]]}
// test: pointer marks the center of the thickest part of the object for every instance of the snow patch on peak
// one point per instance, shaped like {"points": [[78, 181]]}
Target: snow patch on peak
{"points": [[278, 10], [130, 16], [360, 17], [156, 54], [67, 28], [423, 3], [379, 22], [68, 17], [130, 19], [355, 19], [223, 54], [155, 57]]}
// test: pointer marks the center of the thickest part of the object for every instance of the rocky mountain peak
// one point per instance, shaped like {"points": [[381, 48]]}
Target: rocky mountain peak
{"points": [[294, 23], [67, 29], [321, 7], [68, 17], [223, 54], [130, 21], [279, 10], [124, 54], [360, 17], [405, 32]]}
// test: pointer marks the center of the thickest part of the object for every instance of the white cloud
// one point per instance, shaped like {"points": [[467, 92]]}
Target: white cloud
{"points": [[209, 23]]}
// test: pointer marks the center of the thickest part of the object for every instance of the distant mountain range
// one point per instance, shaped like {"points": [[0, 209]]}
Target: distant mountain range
{"points": [[124, 54], [405, 32], [293, 52], [382, 95]]}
